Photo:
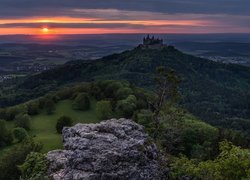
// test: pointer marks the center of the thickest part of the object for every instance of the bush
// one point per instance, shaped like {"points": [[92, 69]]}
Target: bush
{"points": [[123, 92], [65, 93], [16, 156], [110, 87], [125, 108], [33, 108], [20, 134], [145, 118], [5, 135], [23, 120], [12, 112], [104, 110], [50, 106], [63, 122], [81, 102], [232, 163], [34, 167]]}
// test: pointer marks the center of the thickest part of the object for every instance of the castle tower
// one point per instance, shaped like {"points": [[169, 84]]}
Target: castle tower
{"points": [[152, 43]]}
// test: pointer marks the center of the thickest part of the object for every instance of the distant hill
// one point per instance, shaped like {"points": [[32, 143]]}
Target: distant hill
{"points": [[227, 52], [218, 93]]}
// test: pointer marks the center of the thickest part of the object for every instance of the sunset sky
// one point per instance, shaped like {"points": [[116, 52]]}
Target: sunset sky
{"points": [[123, 16]]}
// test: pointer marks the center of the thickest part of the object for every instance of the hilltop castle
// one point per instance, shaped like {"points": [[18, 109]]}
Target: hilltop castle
{"points": [[152, 43]]}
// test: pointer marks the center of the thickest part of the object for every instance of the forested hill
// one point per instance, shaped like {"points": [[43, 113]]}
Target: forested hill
{"points": [[218, 93]]}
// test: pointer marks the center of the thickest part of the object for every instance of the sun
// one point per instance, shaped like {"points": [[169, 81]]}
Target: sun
{"points": [[45, 30]]}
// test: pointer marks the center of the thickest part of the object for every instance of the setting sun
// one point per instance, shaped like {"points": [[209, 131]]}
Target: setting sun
{"points": [[45, 30]]}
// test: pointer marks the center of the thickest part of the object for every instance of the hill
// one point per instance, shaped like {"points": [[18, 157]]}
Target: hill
{"points": [[215, 92]]}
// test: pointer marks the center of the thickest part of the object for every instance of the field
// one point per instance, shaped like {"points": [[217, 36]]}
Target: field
{"points": [[43, 125]]}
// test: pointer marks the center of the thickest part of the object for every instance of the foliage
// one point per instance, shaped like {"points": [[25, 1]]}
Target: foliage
{"points": [[35, 167], [63, 122], [16, 156], [144, 117], [23, 121], [166, 92], [81, 102], [49, 106], [232, 163], [123, 92], [104, 109], [20, 134], [5, 135], [125, 108], [33, 108], [9, 114]]}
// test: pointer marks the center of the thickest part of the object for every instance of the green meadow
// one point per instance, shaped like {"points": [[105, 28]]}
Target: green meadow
{"points": [[43, 125]]}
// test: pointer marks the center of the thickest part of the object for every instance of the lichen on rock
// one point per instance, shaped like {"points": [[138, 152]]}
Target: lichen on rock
{"points": [[113, 149]]}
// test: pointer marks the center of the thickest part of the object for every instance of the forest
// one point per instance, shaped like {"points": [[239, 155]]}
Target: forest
{"points": [[30, 129]]}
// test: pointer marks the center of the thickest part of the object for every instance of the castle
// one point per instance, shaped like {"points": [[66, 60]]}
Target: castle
{"points": [[152, 43]]}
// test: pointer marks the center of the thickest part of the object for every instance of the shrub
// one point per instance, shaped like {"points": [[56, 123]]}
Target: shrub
{"points": [[23, 120], [110, 87], [81, 102], [63, 122], [12, 112], [33, 108], [104, 110], [64, 93], [20, 134], [34, 167], [16, 156], [5, 135], [232, 163], [50, 106], [123, 92], [125, 108]]}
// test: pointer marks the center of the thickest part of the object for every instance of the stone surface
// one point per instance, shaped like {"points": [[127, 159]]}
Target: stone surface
{"points": [[110, 150]]}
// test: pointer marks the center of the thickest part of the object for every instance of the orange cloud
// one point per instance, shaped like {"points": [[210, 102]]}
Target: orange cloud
{"points": [[148, 24]]}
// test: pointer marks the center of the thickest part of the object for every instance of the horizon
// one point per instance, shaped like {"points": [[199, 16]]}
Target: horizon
{"points": [[128, 39]]}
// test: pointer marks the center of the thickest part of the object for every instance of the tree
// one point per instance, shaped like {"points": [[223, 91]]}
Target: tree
{"points": [[23, 121], [104, 110], [123, 92], [34, 167], [126, 107], [5, 135], [20, 134], [232, 163], [12, 112], [81, 102], [63, 122], [166, 91], [50, 106], [16, 155], [33, 108]]}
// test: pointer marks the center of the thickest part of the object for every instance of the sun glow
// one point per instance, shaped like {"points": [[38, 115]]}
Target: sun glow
{"points": [[45, 30]]}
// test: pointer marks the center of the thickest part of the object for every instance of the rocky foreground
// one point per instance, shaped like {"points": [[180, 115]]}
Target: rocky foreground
{"points": [[113, 149]]}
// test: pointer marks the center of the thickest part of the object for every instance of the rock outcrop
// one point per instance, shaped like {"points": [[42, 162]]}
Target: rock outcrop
{"points": [[110, 150]]}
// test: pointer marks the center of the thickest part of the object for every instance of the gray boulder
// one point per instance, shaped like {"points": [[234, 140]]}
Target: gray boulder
{"points": [[110, 150]]}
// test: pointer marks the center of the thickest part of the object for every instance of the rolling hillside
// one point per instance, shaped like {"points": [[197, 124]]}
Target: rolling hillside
{"points": [[218, 93]]}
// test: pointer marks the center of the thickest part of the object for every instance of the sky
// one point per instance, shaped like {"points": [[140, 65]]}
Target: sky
{"points": [[124, 16]]}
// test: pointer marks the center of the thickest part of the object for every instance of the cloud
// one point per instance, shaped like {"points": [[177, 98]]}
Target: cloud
{"points": [[189, 15], [10, 8]]}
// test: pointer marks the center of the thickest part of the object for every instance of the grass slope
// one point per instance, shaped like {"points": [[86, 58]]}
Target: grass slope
{"points": [[43, 125]]}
